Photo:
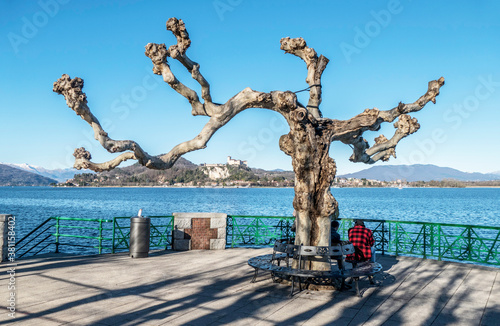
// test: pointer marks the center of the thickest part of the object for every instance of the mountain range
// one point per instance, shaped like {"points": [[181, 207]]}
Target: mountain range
{"points": [[30, 175], [419, 172], [60, 175], [11, 176]]}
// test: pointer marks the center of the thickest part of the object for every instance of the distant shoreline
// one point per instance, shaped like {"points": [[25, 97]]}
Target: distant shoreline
{"points": [[231, 187]]}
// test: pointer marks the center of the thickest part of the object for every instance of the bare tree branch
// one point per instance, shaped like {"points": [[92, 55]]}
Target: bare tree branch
{"points": [[83, 157], [315, 68], [178, 51], [71, 89], [351, 131], [158, 55]]}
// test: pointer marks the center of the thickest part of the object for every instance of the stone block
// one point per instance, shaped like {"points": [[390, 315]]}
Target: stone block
{"points": [[221, 233], [4, 228], [182, 245], [199, 215], [217, 244], [218, 221], [182, 222]]}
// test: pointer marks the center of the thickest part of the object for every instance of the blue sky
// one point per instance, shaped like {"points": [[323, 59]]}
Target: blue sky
{"points": [[381, 52]]}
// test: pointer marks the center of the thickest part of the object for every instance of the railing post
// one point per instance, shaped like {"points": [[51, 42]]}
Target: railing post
{"points": [[439, 243], [425, 239], [431, 239], [113, 237], [397, 238], [57, 234], [469, 243], [257, 236], [383, 237], [229, 226], [100, 236]]}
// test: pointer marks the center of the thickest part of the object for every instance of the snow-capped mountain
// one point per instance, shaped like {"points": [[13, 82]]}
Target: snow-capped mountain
{"points": [[60, 175]]}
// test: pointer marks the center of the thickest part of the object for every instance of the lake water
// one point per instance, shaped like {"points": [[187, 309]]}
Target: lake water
{"points": [[33, 205]]}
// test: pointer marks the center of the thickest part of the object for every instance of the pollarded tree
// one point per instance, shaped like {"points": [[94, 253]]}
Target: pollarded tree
{"points": [[307, 143]]}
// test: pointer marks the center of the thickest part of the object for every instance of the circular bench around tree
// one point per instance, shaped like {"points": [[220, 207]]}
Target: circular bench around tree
{"points": [[279, 263]]}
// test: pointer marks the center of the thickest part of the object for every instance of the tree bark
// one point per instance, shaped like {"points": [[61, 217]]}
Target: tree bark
{"points": [[308, 145]]}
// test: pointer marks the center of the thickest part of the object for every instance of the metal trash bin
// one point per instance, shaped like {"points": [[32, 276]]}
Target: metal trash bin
{"points": [[139, 236]]}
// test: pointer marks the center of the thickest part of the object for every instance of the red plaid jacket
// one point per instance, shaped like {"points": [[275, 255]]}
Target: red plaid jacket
{"points": [[362, 239]]}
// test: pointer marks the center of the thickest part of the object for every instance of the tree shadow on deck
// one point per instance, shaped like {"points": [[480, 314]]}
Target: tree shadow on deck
{"points": [[430, 292], [211, 296]]}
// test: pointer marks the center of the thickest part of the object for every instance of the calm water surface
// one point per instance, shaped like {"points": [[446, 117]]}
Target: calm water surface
{"points": [[32, 205]]}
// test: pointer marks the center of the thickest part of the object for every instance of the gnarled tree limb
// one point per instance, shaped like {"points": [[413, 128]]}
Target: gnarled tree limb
{"points": [[351, 131], [315, 68], [158, 54], [71, 89]]}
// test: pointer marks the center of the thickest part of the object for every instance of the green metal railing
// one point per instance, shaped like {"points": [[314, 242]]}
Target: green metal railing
{"points": [[160, 234], [468, 243], [81, 234], [257, 230], [84, 235], [35, 241]]}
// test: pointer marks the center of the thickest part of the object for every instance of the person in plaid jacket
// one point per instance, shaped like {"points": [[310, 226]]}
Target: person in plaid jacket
{"points": [[362, 240]]}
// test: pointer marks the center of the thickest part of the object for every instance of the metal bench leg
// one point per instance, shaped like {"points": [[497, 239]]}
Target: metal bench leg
{"points": [[254, 276], [356, 281], [293, 285], [371, 279]]}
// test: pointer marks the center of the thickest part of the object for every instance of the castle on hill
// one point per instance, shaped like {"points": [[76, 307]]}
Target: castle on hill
{"points": [[230, 161]]}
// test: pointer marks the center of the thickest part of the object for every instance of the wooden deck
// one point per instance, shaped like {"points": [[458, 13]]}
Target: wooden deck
{"points": [[213, 288]]}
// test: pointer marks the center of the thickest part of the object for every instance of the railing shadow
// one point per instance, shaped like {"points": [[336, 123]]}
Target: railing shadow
{"points": [[220, 292]]}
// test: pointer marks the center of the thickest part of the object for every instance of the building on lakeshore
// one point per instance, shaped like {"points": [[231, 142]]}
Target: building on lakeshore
{"points": [[230, 161]]}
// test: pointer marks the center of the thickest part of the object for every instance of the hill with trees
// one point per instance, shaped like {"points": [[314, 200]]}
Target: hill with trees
{"points": [[184, 173], [10, 176]]}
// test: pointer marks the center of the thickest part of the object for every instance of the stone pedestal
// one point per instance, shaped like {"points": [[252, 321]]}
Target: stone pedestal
{"points": [[194, 231], [4, 230]]}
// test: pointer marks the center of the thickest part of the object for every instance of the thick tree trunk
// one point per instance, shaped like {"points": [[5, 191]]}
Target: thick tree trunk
{"points": [[308, 145]]}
